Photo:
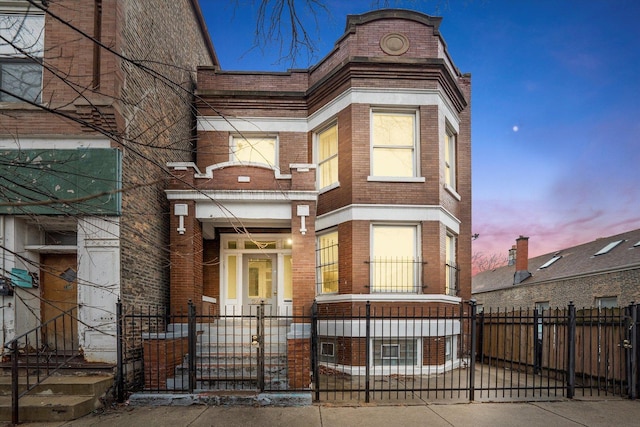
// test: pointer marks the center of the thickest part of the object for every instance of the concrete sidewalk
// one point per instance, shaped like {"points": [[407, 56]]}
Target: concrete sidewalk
{"points": [[610, 412]]}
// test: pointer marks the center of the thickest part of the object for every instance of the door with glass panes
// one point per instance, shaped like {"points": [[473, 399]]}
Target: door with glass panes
{"points": [[259, 279]]}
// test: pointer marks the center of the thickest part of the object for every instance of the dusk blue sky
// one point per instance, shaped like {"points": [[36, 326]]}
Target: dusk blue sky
{"points": [[555, 107]]}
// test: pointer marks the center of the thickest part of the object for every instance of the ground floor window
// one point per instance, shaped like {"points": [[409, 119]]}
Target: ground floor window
{"points": [[327, 263], [395, 264]]}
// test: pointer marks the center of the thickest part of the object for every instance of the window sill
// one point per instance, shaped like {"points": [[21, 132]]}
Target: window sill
{"points": [[329, 187], [395, 179], [453, 192]]}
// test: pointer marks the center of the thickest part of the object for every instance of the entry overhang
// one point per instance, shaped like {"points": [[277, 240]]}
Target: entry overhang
{"points": [[245, 207]]}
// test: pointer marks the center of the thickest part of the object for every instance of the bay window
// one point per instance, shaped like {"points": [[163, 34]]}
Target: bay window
{"points": [[327, 149], [394, 144], [395, 264], [327, 263]]}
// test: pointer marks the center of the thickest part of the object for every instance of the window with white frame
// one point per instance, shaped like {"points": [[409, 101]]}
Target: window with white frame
{"points": [[327, 149], [450, 159], [451, 277], [21, 52], [395, 265], [394, 144], [395, 352], [327, 263], [448, 348], [254, 149]]}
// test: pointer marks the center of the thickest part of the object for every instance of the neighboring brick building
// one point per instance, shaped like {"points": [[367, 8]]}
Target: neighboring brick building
{"points": [[602, 273], [92, 118], [344, 183]]}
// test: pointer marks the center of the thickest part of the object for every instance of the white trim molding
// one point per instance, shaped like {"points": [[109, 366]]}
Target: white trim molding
{"points": [[395, 213], [372, 96], [382, 297]]}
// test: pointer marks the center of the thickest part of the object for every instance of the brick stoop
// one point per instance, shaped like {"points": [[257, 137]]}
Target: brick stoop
{"points": [[58, 398]]}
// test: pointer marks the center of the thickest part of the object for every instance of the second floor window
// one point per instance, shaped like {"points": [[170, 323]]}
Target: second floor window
{"points": [[327, 147], [450, 160], [393, 144], [21, 52], [254, 149]]}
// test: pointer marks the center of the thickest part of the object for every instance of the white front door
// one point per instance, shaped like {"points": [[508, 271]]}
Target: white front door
{"points": [[259, 279]]}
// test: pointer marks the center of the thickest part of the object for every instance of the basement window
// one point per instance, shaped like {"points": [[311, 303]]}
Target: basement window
{"points": [[327, 350], [395, 352], [608, 248]]}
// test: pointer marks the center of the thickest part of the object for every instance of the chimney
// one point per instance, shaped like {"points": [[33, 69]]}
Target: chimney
{"points": [[512, 255], [522, 260]]}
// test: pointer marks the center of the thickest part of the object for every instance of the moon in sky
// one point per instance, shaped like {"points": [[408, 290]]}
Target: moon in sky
{"points": [[516, 128]]}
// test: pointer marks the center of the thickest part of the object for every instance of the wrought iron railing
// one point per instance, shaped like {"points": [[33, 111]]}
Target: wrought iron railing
{"points": [[452, 278], [40, 353], [395, 275]]}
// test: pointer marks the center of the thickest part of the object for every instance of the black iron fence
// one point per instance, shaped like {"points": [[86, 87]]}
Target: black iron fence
{"points": [[377, 351]]}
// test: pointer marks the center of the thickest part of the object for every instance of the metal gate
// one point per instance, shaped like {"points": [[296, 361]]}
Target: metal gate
{"points": [[243, 350]]}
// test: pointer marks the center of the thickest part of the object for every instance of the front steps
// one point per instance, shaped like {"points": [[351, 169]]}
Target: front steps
{"points": [[58, 398], [226, 359]]}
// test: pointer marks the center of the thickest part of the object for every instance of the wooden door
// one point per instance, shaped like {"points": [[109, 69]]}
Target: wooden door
{"points": [[59, 294]]}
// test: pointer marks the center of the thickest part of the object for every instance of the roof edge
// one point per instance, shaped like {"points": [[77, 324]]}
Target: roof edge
{"points": [[432, 21]]}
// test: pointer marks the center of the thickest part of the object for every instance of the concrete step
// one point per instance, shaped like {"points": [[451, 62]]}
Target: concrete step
{"points": [[42, 407], [232, 371], [58, 398]]}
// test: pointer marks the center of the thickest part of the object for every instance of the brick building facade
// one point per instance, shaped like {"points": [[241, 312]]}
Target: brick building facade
{"points": [[602, 273], [344, 183], [96, 98]]}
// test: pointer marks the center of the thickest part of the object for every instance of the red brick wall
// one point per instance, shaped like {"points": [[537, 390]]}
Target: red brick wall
{"points": [[303, 260], [186, 262], [160, 360]]}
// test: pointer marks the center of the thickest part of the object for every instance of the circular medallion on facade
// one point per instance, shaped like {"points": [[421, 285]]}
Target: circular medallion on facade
{"points": [[394, 44]]}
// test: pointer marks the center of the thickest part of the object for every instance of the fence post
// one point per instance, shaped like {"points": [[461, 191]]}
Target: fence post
{"points": [[367, 351], [632, 350], [191, 342], [261, 345], [474, 343], [571, 350], [15, 409], [537, 341], [119, 355], [314, 349]]}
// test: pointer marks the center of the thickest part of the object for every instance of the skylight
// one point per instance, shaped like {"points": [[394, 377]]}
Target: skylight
{"points": [[636, 245], [551, 261], [607, 248]]}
